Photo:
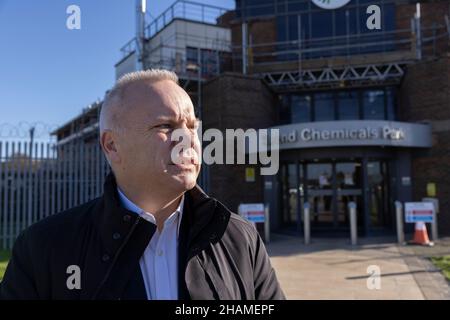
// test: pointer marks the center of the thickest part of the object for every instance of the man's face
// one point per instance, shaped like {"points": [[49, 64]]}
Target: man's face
{"points": [[144, 144]]}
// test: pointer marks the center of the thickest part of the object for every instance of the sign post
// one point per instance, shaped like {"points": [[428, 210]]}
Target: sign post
{"points": [[434, 225], [256, 214]]}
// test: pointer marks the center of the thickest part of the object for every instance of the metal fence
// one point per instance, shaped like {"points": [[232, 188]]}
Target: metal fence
{"points": [[41, 179]]}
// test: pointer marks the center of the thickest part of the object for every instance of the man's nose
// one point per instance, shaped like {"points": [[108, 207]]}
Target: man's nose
{"points": [[186, 136]]}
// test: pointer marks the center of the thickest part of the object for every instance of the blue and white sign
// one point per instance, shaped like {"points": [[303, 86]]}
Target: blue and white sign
{"points": [[419, 212], [253, 212]]}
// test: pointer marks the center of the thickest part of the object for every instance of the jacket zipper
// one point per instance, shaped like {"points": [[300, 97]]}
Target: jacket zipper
{"points": [[116, 256]]}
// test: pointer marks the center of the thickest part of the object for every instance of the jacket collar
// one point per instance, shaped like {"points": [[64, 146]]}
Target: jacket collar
{"points": [[114, 221], [130, 205], [200, 211]]}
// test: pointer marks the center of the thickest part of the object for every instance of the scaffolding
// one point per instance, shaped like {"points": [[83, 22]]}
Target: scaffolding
{"points": [[188, 38], [348, 60], [172, 39], [343, 62]]}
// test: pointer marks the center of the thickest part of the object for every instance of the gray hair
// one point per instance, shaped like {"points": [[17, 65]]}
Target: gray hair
{"points": [[114, 98]]}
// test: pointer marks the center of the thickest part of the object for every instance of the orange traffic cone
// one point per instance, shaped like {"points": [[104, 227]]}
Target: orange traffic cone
{"points": [[421, 235]]}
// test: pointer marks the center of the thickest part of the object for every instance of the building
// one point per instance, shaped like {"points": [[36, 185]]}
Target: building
{"points": [[362, 113], [360, 94]]}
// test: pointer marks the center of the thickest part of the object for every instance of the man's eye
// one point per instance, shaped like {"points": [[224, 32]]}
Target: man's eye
{"points": [[164, 126]]}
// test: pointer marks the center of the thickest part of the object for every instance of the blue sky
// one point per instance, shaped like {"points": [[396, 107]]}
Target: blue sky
{"points": [[49, 73]]}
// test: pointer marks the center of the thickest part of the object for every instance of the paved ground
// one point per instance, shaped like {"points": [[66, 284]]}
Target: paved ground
{"points": [[333, 269]]}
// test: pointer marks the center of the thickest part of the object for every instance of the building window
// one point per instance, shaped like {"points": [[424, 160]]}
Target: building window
{"points": [[374, 105], [348, 105], [321, 33], [282, 36], [322, 24], [328, 33], [323, 107], [391, 103], [254, 8], [300, 108], [210, 60], [365, 104], [345, 29], [285, 109], [191, 54]]}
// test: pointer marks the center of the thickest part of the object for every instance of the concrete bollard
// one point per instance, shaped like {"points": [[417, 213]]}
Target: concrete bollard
{"points": [[353, 223], [306, 223], [399, 217]]}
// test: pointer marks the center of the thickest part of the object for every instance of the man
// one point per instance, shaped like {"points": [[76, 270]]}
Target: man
{"points": [[154, 234]]}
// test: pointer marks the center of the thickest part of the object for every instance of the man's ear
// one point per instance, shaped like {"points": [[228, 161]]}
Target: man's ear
{"points": [[109, 146]]}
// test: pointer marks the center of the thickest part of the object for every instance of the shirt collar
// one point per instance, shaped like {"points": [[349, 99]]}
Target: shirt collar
{"points": [[131, 206]]}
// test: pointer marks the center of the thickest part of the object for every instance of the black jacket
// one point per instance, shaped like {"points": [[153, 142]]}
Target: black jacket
{"points": [[220, 255]]}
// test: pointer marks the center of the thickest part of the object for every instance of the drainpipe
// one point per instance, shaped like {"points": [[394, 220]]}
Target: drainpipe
{"points": [[244, 47], [418, 32]]}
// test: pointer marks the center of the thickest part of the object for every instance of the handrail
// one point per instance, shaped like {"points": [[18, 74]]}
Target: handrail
{"points": [[178, 10], [183, 9]]}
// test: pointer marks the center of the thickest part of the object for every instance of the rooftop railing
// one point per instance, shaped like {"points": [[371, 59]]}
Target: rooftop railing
{"points": [[180, 9]]}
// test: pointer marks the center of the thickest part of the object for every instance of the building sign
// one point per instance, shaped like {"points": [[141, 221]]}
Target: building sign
{"points": [[254, 212], [406, 181], [419, 212], [431, 189], [250, 174], [385, 132], [330, 4], [354, 133], [268, 185]]}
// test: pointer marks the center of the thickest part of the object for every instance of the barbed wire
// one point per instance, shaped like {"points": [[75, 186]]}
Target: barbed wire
{"points": [[22, 130]]}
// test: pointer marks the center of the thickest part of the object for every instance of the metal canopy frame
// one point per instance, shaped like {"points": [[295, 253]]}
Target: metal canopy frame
{"points": [[371, 74]]}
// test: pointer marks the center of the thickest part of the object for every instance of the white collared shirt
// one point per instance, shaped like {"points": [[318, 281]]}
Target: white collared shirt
{"points": [[159, 263]]}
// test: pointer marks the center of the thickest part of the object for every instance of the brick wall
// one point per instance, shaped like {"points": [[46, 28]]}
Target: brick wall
{"points": [[425, 96], [235, 101], [425, 91]]}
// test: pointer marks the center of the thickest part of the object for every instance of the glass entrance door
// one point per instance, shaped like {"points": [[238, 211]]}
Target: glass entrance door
{"points": [[348, 189], [329, 187], [291, 193], [377, 173], [320, 182]]}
